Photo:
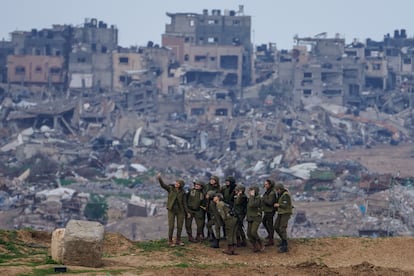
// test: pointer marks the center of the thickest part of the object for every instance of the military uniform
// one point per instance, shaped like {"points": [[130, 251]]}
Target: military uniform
{"points": [[230, 222], [176, 209], [254, 218], [214, 221], [240, 209], [284, 212], [212, 187], [194, 204], [269, 200], [227, 190]]}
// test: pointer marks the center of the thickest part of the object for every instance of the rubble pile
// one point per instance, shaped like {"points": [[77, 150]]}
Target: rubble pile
{"points": [[100, 148]]}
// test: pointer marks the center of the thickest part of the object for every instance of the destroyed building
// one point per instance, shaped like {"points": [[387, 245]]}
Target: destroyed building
{"points": [[326, 70], [214, 48], [6, 49], [193, 107], [325, 74], [85, 51], [36, 70]]}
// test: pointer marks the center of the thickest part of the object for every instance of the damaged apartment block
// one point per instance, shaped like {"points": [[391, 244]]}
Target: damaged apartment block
{"points": [[213, 48]]}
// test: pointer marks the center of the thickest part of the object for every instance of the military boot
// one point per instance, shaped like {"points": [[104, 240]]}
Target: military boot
{"points": [[233, 247], [243, 243], [171, 242], [178, 242], [215, 243], [283, 248], [270, 242], [256, 247], [229, 250]]}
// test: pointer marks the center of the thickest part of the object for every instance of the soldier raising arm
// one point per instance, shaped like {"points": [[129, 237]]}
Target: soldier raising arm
{"points": [[175, 207]]}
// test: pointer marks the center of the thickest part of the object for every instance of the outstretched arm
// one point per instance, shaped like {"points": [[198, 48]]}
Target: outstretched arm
{"points": [[162, 183]]}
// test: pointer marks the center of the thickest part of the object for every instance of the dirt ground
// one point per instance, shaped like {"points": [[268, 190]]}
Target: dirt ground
{"points": [[325, 256], [382, 158]]}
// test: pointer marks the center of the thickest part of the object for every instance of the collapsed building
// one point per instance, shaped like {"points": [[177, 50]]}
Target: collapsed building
{"points": [[201, 103], [214, 48]]}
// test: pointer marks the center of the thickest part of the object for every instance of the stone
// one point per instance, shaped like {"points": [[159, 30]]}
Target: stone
{"points": [[83, 243]]}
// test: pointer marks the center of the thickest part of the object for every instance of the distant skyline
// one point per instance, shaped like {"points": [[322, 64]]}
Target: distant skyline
{"points": [[272, 20]]}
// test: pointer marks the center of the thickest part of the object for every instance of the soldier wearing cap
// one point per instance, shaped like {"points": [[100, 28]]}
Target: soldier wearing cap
{"points": [[195, 203], [284, 211], [175, 207]]}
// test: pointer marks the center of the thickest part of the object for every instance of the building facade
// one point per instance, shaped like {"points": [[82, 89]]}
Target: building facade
{"points": [[212, 45]]}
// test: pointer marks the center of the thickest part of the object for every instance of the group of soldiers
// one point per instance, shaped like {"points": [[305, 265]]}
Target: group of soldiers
{"points": [[224, 209]]}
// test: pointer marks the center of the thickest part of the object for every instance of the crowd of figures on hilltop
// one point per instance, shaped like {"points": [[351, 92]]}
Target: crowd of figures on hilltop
{"points": [[220, 213]]}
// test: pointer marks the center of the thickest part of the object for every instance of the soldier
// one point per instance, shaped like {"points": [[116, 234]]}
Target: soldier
{"points": [[269, 200], [284, 212], [230, 221], [254, 218], [227, 190], [213, 185], [175, 207], [214, 221], [194, 204], [240, 209]]}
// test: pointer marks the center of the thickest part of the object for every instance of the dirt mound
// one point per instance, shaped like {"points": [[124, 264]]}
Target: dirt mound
{"points": [[117, 244], [324, 256]]}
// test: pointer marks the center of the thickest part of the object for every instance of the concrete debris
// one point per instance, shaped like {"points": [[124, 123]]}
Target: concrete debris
{"points": [[99, 145], [302, 171]]}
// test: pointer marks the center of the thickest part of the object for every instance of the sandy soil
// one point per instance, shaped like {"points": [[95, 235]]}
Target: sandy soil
{"points": [[325, 256], [380, 158]]}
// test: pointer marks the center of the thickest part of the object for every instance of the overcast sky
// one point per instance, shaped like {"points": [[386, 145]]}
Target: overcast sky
{"points": [[275, 21]]}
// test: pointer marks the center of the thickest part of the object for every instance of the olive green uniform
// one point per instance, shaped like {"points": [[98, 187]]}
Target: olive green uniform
{"points": [[176, 209], [214, 221], [269, 199], [240, 209], [230, 222], [254, 218], [194, 202], [284, 212], [228, 190]]}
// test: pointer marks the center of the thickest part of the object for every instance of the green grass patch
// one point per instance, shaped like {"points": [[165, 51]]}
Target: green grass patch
{"points": [[150, 246], [178, 253]]}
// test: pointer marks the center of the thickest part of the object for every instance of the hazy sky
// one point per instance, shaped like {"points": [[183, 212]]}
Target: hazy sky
{"points": [[272, 20]]}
